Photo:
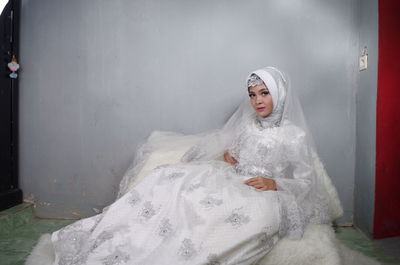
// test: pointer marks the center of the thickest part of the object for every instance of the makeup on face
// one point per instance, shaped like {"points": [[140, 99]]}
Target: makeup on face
{"points": [[261, 100]]}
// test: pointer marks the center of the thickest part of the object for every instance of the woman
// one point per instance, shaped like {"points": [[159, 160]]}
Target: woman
{"points": [[204, 211]]}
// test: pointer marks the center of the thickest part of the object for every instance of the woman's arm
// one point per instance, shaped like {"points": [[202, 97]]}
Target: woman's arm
{"points": [[298, 181]]}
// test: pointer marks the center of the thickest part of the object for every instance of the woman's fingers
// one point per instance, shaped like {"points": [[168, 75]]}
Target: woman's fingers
{"points": [[233, 160], [256, 184], [226, 157], [229, 159], [261, 183], [253, 180], [260, 186]]}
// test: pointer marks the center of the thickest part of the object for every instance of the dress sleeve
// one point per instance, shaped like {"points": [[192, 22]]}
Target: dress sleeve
{"points": [[299, 179], [233, 148], [294, 188]]}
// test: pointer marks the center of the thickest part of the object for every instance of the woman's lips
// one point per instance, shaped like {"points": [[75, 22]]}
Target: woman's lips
{"points": [[260, 109]]}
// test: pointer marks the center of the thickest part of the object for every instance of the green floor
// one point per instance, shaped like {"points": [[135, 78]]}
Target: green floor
{"points": [[353, 239], [19, 231]]}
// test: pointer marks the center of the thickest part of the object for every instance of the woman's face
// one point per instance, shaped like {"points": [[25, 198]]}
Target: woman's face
{"points": [[261, 100]]}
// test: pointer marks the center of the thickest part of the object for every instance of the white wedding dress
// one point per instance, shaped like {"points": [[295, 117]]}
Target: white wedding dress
{"points": [[180, 204], [198, 212]]}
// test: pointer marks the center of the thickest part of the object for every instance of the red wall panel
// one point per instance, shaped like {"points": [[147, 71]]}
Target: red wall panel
{"points": [[387, 185]]}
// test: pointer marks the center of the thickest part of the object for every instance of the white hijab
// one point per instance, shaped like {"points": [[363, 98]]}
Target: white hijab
{"points": [[276, 84]]}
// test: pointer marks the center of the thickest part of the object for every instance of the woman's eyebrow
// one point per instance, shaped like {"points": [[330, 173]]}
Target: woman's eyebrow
{"points": [[262, 89], [259, 90]]}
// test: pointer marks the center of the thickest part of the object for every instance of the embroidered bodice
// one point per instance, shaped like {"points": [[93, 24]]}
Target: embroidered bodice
{"points": [[276, 152]]}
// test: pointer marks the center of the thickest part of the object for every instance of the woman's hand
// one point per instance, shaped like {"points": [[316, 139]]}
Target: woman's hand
{"points": [[229, 159], [261, 183]]}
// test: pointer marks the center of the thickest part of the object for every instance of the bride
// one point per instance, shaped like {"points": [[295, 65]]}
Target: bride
{"points": [[209, 211]]}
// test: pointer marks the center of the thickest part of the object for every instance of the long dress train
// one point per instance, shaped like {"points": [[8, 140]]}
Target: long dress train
{"points": [[197, 213]]}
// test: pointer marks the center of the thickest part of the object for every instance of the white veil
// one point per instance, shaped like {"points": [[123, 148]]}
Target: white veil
{"points": [[319, 205]]}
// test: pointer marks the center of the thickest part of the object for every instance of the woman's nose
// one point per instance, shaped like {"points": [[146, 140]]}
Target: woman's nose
{"points": [[258, 99]]}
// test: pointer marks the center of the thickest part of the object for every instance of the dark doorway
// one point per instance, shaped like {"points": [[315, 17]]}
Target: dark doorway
{"points": [[10, 194]]}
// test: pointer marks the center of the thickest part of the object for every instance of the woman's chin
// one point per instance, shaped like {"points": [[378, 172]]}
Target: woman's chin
{"points": [[262, 115]]}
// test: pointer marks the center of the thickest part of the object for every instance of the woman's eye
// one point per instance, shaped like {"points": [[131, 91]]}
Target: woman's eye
{"points": [[252, 95], [264, 93]]}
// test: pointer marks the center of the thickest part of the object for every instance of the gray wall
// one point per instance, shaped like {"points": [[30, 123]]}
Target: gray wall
{"points": [[99, 76], [364, 192]]}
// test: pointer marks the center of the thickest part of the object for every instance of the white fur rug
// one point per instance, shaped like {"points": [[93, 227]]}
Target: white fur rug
{"points": [[42, 253], [317, 247]]}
